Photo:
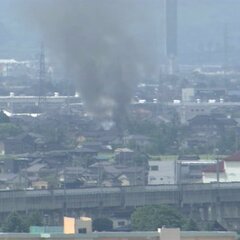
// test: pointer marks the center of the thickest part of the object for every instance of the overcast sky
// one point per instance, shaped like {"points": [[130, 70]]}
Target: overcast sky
{"points": [[201, 24]]}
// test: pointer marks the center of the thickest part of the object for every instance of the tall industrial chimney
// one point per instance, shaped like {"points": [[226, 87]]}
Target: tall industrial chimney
{"points": [[171, 34]]}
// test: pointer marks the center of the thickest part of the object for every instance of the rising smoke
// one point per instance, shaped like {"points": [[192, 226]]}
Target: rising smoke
{"points": [[102, 43]]}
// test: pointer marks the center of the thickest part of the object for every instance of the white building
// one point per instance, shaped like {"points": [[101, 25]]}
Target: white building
{"points": [[188, 94], [229, 170], [162, 172]]}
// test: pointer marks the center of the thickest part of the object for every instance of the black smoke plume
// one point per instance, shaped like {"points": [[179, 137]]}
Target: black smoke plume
{"points": [[103, 43]]}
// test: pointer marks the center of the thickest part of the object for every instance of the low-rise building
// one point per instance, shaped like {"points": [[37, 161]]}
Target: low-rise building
{"points": [[77, 225], [162, 172], [227, 171]]}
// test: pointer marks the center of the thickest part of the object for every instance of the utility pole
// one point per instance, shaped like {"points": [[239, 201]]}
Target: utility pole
{"points": [[218, 199], [65, 192], [216, 151], [218, 169]]}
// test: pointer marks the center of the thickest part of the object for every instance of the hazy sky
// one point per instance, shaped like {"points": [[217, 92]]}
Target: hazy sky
{"points": [[201, 24]]}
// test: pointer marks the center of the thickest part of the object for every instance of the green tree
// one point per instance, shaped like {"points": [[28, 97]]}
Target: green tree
{"points": [[228, 141], [9, 130], [215, 226], [165, 137], [102, 224], [191, 225], [34, 219], [150, 218], [14, 223]]}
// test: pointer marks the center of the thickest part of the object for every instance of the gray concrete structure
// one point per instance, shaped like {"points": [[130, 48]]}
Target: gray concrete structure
{"points": [[14, 103], [205, 202], [188, 110], [35, 99]]}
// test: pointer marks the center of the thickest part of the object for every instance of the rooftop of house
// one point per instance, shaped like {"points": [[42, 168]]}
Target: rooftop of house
{"points": [[6, 177], [83, 150], [214, 167], [234, 157], [188, 157], [123, 150], [137, 137], [36, 167], [212, 120]]}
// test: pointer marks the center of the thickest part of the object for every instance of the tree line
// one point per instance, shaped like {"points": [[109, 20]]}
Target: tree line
{"points": [[146, 218]]}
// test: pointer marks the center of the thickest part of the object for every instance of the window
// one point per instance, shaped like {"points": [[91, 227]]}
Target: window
{"points": [[121, 223], [152, 178], [154, 168], [82, 230]]}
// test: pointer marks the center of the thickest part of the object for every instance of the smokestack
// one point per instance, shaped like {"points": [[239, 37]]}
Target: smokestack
{"points": [[171, 7], [171, 28], [42, 77], [42, 72]]}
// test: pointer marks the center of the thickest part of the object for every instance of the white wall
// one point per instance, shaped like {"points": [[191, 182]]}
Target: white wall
{"points": [[209, 177], [232, 173], [232, 169], [162, 172]]}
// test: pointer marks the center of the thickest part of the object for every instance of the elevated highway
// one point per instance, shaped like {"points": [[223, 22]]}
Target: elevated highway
{"points": [[204, 201]]}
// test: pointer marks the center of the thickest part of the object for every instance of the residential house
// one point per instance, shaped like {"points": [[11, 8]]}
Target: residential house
{"points": [[232, 167], [14, 165], [2, 148], [215, 172], [84, 152], [123, 155], [188, 157], [76, 177], [12, 181], [205, 130], [135, 176], [229, 170], [111, 174], [91, 145], [192, 171], [23, 143], [57, 159], [77, 225], [121, 224], [137, 141], [40, 184], [186, 170], [107, 174], [34, 170]]}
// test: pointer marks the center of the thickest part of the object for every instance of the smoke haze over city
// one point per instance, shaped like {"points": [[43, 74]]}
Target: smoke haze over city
{"points": [[103, 46]]}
